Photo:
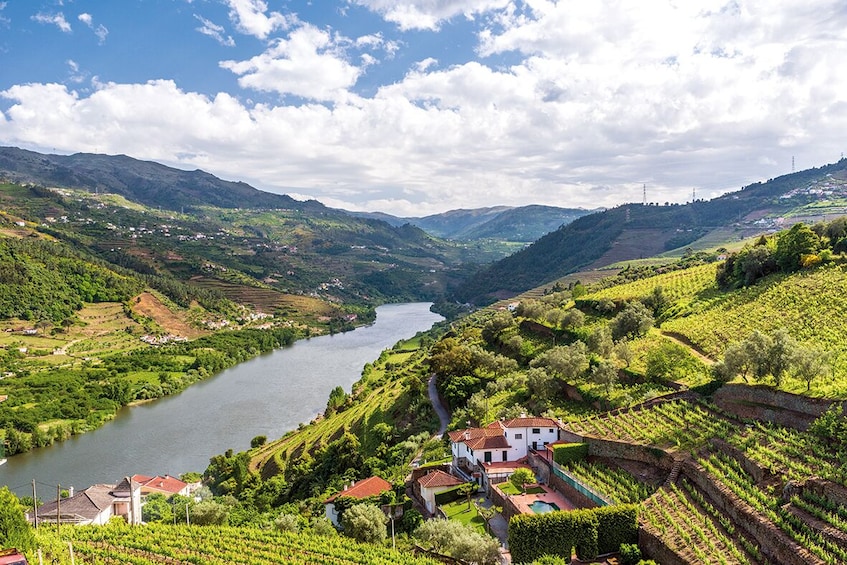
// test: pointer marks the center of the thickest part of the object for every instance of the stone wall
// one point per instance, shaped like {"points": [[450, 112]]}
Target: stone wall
{"points": [[622, 450], [749, 466], [653, 547], [773, 543], [832, 491], [498, 498], [764, 403]]}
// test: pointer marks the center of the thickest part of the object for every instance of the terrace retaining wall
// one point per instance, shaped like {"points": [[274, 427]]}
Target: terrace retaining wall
{"points": [[765, 403], [773, 542], [633, 452], [749, 466], [498, 498], [654, 548], [832, 491]]}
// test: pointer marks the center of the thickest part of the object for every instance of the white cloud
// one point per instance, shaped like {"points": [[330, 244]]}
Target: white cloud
{"points": [[252, 18], [215, 31], [75, 74], [309, 64], [428, 14], [100, 31], [602, 97], [56, 19]]}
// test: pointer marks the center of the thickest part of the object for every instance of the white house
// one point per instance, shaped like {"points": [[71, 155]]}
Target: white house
{"points": [[501, 441], [366, 488], [434, 483], [95, 505]]}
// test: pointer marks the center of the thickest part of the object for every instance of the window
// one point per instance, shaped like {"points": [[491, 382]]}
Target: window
{"points": [[487, 457], [505, 456], [518, 436], [550, 430], [536, 430]]}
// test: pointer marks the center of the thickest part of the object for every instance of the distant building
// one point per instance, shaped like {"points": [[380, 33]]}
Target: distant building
{"points": [[95, 505], [366, 488], [167, 485]]}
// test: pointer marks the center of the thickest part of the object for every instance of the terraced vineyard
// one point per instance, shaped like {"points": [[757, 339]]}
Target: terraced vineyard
{"points": [[728, 472], [215, 545], [678, 424], [809, 305], [682, 284], [694, 529], [618, 485]]}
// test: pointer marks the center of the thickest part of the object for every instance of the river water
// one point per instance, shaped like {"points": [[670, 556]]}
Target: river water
{"points": [[268, 395]]}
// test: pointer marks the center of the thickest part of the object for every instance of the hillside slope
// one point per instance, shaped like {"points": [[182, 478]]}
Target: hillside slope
{"points": [[635, 231]]}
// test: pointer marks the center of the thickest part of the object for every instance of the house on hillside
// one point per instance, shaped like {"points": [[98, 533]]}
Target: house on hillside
{"points": [[366, 488], [433, 483], [167, 485], [95, 505], [502, 441]]}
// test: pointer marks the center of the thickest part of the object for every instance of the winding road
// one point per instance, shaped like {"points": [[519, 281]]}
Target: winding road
{"points": [[438, 405]]}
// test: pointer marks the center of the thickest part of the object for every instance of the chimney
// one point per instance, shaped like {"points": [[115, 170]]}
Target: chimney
{"points": [[70, 492], [467, 434]]}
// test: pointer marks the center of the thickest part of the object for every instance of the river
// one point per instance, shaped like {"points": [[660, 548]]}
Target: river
{"points": [[268, 395]]}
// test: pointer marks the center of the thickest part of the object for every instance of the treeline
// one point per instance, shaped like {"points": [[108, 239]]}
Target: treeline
{"points": [[79, 400], [801, 247]]}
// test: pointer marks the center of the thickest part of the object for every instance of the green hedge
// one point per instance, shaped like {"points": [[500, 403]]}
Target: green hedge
{"points": [[451, 495], [591, 531], [566, 452]]}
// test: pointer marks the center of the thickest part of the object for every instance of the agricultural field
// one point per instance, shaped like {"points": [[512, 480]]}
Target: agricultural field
{"points": [[209, 545], [678, 425], [617, 485], [810, 305]]}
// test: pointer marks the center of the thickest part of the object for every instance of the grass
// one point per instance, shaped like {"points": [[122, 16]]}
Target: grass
{"points": [[460, 512], [510, 489]]}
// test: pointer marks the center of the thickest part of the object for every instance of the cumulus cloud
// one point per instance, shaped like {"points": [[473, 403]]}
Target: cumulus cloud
{"points": [[428, 14], [56, 19], [599, 99], [308, 63], [215, 31], [252, 18]]}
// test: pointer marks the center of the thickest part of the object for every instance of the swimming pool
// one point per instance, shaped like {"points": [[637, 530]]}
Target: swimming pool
{"points": [[541, 507]]}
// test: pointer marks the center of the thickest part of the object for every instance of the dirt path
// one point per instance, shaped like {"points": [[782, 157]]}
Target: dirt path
{"points": [[683, 341]]}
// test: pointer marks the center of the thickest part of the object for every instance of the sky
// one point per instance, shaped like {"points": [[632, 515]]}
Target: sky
{"points": [[419, 107]]}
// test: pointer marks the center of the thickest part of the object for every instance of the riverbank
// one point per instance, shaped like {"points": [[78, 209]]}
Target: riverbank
{"points": [[268, 395]]}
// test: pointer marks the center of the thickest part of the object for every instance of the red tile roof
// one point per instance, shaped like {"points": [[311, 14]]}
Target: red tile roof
{"points": [[531, 423], [474, 433], [489, 442], [166, 484], [439, 478], [371, 486]]}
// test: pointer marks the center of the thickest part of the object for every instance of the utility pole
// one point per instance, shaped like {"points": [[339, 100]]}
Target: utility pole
{"points": [[792, 163], [34, 507], [644, 195], [58, 504]]}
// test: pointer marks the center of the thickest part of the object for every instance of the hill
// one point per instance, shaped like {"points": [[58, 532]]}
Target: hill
{"points": [[635, 231], [522, 224], [146, 182]]}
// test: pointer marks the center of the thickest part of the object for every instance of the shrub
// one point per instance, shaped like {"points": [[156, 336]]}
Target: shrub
{"points": [[630, 554], [568, 452]]}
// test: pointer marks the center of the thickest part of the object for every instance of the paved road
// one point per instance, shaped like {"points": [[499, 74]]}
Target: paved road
{"points": [[440, 409]]}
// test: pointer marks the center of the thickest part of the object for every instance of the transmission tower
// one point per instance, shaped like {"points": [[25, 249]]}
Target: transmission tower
{"points": [[644, 195]]}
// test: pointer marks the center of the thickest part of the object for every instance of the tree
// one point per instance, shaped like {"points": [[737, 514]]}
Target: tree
{"points": [[668, 361], [600, 341], [15, 531], [541, 384], [522, 477], [287, 523], [782, 355], [657, 301], [793, 245], [623, 352], [458, 540], [336, 400], [157, 509], [569, 362], [810, 364], [209, 513], [365, 523], [635, 320], [757, 348], [604, 373], [467, 490], [573, 318], [258, 441]]}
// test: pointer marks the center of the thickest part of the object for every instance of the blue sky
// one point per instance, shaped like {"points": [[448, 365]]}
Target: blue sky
{"points": [[419, 107]]}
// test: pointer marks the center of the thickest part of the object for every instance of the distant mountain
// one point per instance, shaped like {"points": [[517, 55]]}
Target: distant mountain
{"points": [[634, 231], [523, 224], [146, 182]]}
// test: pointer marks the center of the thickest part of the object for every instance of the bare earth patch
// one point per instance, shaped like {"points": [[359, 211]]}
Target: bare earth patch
{"points": [[148, 305]]}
